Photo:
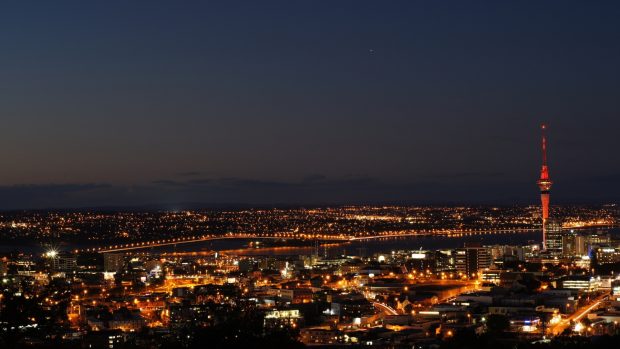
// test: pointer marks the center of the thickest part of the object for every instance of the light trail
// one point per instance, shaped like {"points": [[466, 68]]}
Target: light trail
{"points": [[385, 308], [562, 325]]}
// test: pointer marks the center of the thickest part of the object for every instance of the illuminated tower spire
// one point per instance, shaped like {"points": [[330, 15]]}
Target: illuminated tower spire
{"points": [[544, 183]]}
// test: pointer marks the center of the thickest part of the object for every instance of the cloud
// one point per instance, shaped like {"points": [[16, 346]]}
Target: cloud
{"points": [[309, 190], [314, 178], [467, 175], [48, 189], [168, 182], [200, 181], [607, 178], [46, 195], [189, 174]]}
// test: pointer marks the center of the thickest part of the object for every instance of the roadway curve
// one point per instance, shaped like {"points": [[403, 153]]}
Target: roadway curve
{"points": [[385, 308], [578, 315]]}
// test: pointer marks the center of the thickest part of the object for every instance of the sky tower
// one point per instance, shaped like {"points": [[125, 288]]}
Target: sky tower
{"points": [[544, 183]]}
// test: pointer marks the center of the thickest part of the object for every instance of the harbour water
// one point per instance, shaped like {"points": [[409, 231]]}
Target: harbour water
{"points": [[369, 247], [358, 247]]}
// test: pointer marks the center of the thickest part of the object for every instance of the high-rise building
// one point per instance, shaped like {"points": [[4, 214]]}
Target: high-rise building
{"points": [[554, 236], [64, 262], [569, 243], [585, 243], [470, 260], [544, 183], [422, 260], [581, 245], [444, 261], [113, 262], [598, 240], [606, 255], [583, 283], [499, 253]]}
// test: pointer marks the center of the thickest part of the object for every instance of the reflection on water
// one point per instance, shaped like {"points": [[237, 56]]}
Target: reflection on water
{"points": [[364, 248]]}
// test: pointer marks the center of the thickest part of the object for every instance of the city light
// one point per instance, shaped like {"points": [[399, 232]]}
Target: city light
{"points": [[310, 175]]}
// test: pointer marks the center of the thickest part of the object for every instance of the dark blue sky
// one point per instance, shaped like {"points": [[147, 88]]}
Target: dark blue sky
{"points": [[130, 103]]}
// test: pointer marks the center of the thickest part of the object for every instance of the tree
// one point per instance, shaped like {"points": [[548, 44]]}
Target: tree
{"points": [[497, 324]]}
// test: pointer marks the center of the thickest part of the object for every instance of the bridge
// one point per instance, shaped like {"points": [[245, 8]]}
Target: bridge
{"points": [[441, 232], [202, 238], [300, 236]]}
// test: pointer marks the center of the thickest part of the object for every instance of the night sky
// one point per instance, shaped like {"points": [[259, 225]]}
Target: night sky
{"points": [[125, 103]]}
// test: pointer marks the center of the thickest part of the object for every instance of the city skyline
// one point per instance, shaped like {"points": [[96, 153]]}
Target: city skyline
{"points": [[349, 103], [309, 174]]}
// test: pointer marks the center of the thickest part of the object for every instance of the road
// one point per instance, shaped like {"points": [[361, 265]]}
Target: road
{"points": [[385, 308], [578, 315]]}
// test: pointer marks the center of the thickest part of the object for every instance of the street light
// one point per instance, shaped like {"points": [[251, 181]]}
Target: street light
{"points": [[51, 253]]}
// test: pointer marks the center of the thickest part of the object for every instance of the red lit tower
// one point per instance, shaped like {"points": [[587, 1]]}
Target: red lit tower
{"points": [[544, 183]]}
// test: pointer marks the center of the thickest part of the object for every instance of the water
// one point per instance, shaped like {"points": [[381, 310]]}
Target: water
{"points": [[368, 247]]}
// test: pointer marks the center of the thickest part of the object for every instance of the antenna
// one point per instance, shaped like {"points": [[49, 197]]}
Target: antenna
{"points": [[543, 127]]}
